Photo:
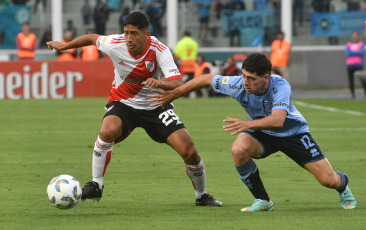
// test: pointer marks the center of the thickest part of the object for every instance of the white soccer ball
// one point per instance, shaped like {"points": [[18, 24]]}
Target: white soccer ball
{"points": [[64, 191]]}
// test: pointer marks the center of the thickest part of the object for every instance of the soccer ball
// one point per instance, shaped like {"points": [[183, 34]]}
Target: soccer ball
{"points": [[64, 191]]}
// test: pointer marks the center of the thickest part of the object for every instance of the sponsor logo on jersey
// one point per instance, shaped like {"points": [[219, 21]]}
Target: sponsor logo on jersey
{"points": [[121, 63], [225, 80], [217, 84], [236, 86], [274, 90], [134, 81], [174, 71], [267, 106], [281, 104], [245, 104], [150, 65]]}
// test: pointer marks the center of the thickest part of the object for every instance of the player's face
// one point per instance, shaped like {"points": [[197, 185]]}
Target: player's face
{"points": [[255, 84], [136, 39]]}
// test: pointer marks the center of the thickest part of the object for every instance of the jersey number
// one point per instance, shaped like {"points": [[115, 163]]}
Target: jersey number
{"points": [[168, 117], [307, 142]]}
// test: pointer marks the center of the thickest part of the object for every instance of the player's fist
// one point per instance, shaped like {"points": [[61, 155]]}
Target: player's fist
{"points": [[55, 45]]}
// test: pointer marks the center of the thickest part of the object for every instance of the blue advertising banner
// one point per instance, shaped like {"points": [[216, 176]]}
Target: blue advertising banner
{"points": [[337, 24], [325, 24], [250, 24], [11, 20], [351, 21]]}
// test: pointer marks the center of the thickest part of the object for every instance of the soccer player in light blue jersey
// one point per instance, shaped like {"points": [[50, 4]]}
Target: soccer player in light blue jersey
{"points": [[274, 125]]}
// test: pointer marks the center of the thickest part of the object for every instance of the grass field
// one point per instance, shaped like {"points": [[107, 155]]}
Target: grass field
{"points": [[146, 186]]}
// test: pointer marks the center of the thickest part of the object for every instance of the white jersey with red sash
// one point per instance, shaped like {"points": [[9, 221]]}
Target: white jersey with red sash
{"points": [[130, 71]]}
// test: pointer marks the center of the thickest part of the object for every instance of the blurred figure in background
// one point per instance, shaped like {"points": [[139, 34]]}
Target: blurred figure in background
{"points": [[354, 59], [234, 34], [86, 13], [204, 16], [89, 53], [122, 18], [260, 4], [230, 68], [280, 55], [298, 11], [202, 67], [67, 55], [44, 4], [187, 50], [101, 16], [26, 43], [47, 36], [71, 27]]}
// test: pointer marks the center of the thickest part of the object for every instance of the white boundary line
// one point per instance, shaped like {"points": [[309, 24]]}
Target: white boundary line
{"points": [[329, 109]]}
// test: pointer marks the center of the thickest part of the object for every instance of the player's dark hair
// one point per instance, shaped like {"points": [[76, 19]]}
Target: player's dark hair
{"points": [[138, 19], [257, 63]]}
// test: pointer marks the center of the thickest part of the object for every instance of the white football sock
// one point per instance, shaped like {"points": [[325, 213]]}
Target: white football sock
{"points": [[197, 174], [101, 156]]}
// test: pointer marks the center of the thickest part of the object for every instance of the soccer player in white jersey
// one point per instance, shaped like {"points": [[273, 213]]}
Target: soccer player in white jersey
{"points": [[141, 63], [274, 125]]}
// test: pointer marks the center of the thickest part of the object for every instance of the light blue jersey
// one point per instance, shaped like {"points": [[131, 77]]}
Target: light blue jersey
{"points": [[278, 96]]}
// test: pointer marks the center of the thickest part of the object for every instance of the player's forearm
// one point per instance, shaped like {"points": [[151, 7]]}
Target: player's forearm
{"points": [[263, 124], [170, 85], [84, 40], [274, 121], [195, 84]]}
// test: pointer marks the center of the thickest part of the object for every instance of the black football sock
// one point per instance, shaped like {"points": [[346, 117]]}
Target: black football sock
{"points": [[249, 174]]}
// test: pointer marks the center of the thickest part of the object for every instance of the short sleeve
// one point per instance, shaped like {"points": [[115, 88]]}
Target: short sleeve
{"points": [[104, 43], [281, 96], [168, 66], [228, 85]]}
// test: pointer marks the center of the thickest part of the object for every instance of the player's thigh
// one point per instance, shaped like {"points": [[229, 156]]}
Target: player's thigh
{"points": [[245, 146], [118, 122], [160, 123]]}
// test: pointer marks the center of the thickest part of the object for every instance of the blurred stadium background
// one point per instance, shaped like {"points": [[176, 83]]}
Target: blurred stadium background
{"points": [[317, 58]]}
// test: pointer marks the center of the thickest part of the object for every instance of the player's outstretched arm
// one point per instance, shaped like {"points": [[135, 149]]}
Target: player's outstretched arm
{"points": [[165, 97], [84, 40]]}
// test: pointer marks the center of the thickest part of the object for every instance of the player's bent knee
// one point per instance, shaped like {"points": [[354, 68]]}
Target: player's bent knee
{"points": [[240, 150], [109, 133], [190, 154], [111, 129]]}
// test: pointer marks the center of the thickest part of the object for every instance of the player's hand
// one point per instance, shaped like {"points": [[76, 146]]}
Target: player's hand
{"points": [[152, 83], [162, 98], [236, 124], [55, 45]]}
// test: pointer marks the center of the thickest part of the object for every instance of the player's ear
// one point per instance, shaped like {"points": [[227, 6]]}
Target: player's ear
{"points": [[148, 33], [266, 76]]}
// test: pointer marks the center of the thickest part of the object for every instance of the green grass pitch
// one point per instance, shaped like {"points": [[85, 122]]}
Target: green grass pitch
{"points": [[146, 186]]}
